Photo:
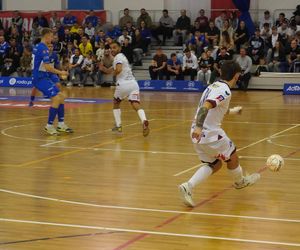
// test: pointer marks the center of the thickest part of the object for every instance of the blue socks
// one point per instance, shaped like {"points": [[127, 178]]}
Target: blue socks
{"points": [[52, 115], [61, 113], [32, 98]]}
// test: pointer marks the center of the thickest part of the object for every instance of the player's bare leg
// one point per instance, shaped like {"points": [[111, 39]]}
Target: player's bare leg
{"points": [[32, 96], [141, 113], [117, 116], [236, 172], [205, 170]]}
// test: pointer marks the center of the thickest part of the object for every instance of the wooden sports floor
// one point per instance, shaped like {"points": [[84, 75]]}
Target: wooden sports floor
{"points": [[95, 190]]}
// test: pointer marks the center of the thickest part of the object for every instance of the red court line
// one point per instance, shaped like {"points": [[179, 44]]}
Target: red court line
{"points": [[174, 218]]}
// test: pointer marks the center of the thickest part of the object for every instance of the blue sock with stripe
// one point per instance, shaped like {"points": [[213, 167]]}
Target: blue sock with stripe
{"points": [[52, 115], [61, 113]]}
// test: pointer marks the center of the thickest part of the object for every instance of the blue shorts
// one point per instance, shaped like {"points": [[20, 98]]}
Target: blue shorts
{"points": [[54, 78], [47, 87]]}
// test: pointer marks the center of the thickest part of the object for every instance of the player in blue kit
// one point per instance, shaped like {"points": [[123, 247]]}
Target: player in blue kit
{"points": [[44, 81]]}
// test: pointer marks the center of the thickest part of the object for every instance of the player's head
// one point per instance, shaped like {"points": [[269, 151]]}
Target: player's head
{"points": [[50, 47], [230, 72], [47, 35], [115, 48]]}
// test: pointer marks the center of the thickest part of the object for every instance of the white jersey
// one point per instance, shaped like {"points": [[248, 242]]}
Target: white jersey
{"points": [[219, 95], [126, 73]]}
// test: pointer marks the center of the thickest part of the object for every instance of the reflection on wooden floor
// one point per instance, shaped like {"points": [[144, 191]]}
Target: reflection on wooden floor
{"points": [[97, 190]]}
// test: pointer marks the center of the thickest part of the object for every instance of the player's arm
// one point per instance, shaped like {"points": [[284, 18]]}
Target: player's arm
{"points": [[200, 118], [118, 69], [48, 67]]}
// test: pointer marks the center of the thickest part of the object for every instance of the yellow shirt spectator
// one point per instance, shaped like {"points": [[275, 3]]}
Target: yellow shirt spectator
{"points": [[86, 49]]}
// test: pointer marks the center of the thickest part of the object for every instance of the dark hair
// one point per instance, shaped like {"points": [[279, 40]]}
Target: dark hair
{"points": [[114, 42], [46, 31], [165, 10], [186, 50], [282, 14], [228, 70], [267, 12], [173, 54], [126, 9]]}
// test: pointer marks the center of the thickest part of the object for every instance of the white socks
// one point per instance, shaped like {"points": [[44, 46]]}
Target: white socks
{"points": [[117, 115], [236, 174], [201, 175], [60, 124], [142, 115]]}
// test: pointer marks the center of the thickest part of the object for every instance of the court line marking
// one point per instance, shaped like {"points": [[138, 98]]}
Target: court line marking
{"points": [[242, 148], [151, 232], [24, 119], [146, 209], [283, 145], [3, 132]]}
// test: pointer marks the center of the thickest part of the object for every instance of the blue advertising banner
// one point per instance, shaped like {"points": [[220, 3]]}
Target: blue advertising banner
{"points": [[20, 82], [291, 89], [171, 85]]}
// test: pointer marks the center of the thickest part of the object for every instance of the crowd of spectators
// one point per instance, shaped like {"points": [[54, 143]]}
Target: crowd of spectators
{"points": [[83, 48]]}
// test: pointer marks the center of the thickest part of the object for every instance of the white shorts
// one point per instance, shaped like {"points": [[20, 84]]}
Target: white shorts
{"points": [[210, 152], [127, 89]]}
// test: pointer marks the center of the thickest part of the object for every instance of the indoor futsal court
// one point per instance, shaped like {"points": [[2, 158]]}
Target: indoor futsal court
{"points": [[97, 190]]}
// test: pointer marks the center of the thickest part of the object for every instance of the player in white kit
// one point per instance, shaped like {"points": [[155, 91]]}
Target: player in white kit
{"points": [[126, 87], [209, 139]]}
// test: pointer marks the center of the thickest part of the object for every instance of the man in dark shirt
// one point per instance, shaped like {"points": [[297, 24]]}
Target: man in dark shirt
{"points": [[40, 20], [212, 33], [174, 68], [221, 57], [256, 47], [158, 65], [203, 20], [182, 28], [293, 56]]}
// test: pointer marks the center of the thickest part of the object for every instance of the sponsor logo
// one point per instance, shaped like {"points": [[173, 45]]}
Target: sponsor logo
{"points": [[1, 82], [291, 89], [147, 84], [169, 84], [220, 98], [12, 81], [294, 88], [191, 84]]}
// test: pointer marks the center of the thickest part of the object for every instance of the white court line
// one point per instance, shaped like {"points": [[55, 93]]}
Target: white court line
{"points": [[125, 230], [3, 132], [265, 157], [240, 149], [24, 119], [87, 135], [147, 209]]}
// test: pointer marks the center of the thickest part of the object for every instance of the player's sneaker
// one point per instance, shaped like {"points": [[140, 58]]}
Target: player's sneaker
{"points": [[186, 194], [247, 181], [146, 129], [64, 128], [31, 104], [117, 129], [51, 130]]}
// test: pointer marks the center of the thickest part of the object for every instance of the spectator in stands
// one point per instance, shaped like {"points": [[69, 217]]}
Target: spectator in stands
{"points": [[195, 27], [100, 51], [78, 36], [295, 19], [127, 49], [4, 49], [130, 29], [35, 32], [41, 20], [1, 25], [241, 35], [144, 17], [74, 29], [68, 37], [205, 65], [8, 68], [266, 19], [202, 20], [146, 34], [15, 52], [57, 45], [227, 27], [139, 48], [54, 19], [271, 42], [245, 63], [256, 47], [219, 21], [190, 64], [278, 58], [125, 19], [87, 69], [265, 31], [113, 32], [182, 28], [233, 20], [85, 46], [25, 63], [100, 38], [227, 41], [17, 21], [90, 31], [69, 51], [26, 44], [293, 56], [14, 34], [174, 68], [286, 33], [60, 30], [69, 20], [75, 63], [91, 18], [105, 65], [222, 56], [281, 19], [124, 35], [158, 65], [165, 28], [197, 43], [212, 33]]}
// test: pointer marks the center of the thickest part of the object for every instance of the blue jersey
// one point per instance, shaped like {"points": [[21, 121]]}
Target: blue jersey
{"points": [[4, 48], [40, 56]]}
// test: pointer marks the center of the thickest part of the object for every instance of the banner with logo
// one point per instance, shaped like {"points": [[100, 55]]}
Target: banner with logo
{"points": [[6, 17], [19, 82], [291, 89], [171, 85]]}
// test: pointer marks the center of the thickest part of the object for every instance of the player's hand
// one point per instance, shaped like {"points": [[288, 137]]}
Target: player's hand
{"points": [[64, 73], [197, 134], [236, 110]]}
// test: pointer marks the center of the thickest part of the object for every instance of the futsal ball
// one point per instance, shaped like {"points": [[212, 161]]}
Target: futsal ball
{"points": [[275, 163]]}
